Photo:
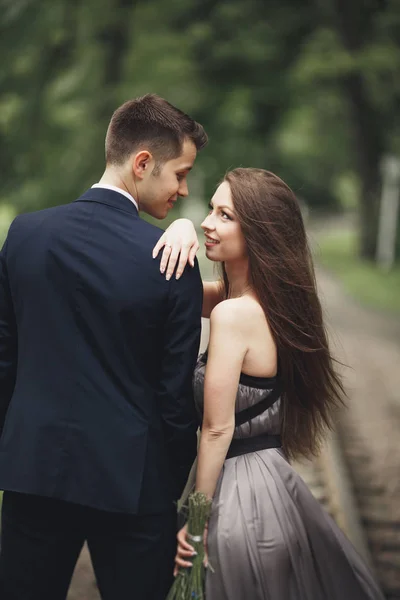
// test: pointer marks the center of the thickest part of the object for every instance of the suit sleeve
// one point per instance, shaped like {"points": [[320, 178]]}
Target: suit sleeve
{"points": [[8, 340], [181, 346]]}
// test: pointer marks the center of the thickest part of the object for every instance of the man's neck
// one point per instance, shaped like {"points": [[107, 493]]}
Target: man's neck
{"points": [[116, 182], [109, 178]]}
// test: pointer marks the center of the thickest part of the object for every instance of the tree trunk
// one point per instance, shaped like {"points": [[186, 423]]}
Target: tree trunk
{"points": [[115, 38], [368, 149], [353, 23]]}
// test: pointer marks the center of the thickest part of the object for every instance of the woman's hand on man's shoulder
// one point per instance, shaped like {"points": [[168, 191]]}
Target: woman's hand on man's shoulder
{"points": [[180, 245]]}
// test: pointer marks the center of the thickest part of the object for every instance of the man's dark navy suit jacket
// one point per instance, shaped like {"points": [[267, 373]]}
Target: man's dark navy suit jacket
{"points": [[97, 352]]}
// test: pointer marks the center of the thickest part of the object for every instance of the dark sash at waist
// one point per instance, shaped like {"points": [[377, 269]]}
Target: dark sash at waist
{"points": [[241, 446]]}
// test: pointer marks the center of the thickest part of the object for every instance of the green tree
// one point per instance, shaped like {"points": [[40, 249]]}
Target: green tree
{"points": [[307, 90], [356, 50]]}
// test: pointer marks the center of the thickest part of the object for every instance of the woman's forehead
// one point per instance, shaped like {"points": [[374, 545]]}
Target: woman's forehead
{"points": [[223, 195]]}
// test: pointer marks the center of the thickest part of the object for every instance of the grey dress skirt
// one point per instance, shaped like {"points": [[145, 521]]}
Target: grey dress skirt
{"points": [[268, 538]]}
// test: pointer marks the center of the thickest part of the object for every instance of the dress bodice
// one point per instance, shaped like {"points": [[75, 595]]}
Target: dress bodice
{"points": [[251, 391]]}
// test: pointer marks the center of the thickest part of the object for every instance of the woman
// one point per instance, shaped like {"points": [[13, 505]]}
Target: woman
{"points": [[266, 389]]}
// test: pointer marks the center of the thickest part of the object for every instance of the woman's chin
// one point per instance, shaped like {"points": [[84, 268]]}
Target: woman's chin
{"points": [[211, 255]]}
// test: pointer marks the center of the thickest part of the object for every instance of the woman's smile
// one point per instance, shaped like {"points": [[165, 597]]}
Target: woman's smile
{"points": [[210, 241]]}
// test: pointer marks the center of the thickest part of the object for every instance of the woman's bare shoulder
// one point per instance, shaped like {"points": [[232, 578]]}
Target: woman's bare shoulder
{"points": [[244, 315], [236, 312]]}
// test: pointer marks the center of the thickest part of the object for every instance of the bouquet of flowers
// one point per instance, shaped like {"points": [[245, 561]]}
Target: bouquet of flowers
{"points": [[189, 582]]}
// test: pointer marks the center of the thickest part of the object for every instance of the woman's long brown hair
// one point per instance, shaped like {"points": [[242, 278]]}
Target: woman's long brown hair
{"points": [[282, 275]]}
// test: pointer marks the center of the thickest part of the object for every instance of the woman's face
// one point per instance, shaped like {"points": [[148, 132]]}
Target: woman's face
{"points": [[224, 237]]}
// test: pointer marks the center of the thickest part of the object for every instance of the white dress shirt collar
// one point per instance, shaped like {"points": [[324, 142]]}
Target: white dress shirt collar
{"points": [[117, 189]]}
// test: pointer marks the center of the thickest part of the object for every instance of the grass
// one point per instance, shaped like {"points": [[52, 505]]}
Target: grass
{"points": [[363, 280]]}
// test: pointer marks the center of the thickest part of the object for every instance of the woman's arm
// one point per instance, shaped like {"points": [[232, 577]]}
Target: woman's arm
{"points": [[180, 241], [213, 294], [226, 352]]}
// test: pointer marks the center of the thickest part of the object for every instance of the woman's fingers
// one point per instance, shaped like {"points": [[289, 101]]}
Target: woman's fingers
{"points": [[185, 252], [192, 254], [165, 257], [180, 562], [159, 245], [184, 551], [184, 554], [181, 251], [182, 543], [172, 260], [179, 239], [183, 259]]}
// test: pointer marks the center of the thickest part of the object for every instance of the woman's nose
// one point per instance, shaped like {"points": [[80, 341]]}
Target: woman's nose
{"points": [[207, 223]]}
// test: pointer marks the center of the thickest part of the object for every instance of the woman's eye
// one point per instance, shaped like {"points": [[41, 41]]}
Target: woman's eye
{"points": [[180, 177], [226, 216]]}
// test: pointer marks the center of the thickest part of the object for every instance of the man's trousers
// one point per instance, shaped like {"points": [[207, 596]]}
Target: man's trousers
{"points": [[41, 539]]}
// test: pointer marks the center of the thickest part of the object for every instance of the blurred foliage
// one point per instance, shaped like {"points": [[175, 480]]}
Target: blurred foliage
{"points": [[369, 285], [309, 90]]}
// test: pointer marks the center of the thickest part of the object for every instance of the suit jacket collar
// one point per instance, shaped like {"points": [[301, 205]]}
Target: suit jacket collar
{"points": [[109, 197]]}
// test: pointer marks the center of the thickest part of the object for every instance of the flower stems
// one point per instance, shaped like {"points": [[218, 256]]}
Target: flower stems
{"points": [[189, 582]]}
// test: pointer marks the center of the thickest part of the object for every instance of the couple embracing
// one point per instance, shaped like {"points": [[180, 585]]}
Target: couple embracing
{"points": [[102, 392]]}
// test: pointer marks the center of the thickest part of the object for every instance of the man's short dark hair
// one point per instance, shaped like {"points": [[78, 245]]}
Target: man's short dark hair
{"points": [[152, 121]]}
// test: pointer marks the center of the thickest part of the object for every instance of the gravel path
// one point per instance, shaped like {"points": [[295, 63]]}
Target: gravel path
{"points": [[369, 343], [83, 585]]}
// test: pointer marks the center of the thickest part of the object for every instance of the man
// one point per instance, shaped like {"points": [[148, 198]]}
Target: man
{"points": [[97, 352]]}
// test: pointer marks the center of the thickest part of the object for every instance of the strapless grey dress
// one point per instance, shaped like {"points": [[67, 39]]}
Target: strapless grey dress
{"points": [[269, 539]]}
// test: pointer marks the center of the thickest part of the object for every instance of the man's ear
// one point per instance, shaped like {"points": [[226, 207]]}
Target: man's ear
{"points": [[141, 163]]}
